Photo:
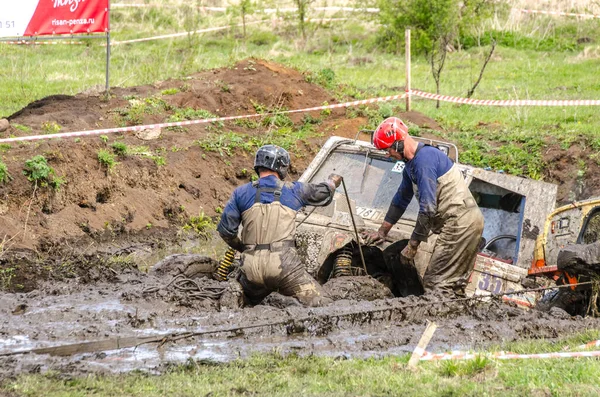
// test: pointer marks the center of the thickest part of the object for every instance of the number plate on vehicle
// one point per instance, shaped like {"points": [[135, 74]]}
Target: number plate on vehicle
{"points": [[399, 167]]}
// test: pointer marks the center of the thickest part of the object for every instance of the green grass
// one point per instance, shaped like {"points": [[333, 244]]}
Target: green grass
{"points": [[274, 375]]}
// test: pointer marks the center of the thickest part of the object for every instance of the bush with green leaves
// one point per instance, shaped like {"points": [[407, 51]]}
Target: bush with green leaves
{"points": [[40, 173], [201, 225], [107, 159], [4, 175], [119, 148], [50, 127]]}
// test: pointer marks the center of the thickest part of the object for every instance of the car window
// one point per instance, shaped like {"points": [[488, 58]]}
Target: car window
{"points": [[592, 227], [372, 184]]}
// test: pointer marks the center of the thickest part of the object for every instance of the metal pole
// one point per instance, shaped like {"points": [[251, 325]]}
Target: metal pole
{"points": [[362, 258], [407, 56], [107, 61]]}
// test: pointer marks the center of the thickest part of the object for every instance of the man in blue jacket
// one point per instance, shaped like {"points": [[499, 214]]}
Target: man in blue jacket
{"points": [[446, 207], [267, 209]]}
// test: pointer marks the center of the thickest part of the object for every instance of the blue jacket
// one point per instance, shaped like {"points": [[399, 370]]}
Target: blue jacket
{"points": [[294, 195], [423, 170]]}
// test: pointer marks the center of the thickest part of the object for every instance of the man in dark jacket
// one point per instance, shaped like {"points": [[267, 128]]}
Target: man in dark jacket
{"points": [[446, 207], [267, 209]]}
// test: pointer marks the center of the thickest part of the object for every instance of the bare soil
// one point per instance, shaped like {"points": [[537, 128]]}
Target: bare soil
{"points": [[62, 283]]}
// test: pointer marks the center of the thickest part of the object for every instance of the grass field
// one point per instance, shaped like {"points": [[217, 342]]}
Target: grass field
{"points": [[274, 375]]}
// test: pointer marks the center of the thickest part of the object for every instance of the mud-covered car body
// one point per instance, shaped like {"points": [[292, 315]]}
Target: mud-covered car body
{"points": [[568, 252], [514, 209]]}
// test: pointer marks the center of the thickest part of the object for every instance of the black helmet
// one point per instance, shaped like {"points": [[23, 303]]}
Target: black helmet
{"points": [[273, 158]]}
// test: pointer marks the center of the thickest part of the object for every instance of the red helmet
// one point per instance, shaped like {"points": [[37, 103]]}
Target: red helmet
{"points": [[389, 131]]}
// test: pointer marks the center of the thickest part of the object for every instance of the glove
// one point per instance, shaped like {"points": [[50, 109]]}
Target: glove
{"points": [[373, 237], [335, 179], [409, 252]]}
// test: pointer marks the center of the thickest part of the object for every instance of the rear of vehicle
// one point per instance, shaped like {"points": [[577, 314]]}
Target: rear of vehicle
{"points": [[568, 252]]}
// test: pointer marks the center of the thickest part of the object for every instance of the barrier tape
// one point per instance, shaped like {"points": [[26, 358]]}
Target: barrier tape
{"points": [[167, 36], [595, 343], [348, 9], [517, 102], [567, 14], [425, 95], [506, 355], [265, 10], [200, 121]]}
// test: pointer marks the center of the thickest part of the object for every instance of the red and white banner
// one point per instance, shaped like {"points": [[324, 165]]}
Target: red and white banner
{"points": [[49, 17]]}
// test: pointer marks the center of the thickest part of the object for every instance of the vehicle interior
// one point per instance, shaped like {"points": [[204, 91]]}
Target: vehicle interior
{"points": [[502, 211]]}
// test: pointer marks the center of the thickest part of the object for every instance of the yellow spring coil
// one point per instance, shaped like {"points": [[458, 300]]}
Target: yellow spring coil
{"points": [[225, 266], [343, 263]]}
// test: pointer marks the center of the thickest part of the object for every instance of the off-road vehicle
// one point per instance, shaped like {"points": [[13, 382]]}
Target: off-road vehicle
{"points": [[514, 209]]}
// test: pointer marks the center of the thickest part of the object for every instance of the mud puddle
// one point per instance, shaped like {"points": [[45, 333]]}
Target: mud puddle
{"points": [[72, 312]]}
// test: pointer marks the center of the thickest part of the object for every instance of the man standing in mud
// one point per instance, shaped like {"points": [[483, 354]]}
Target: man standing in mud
{"points": [[267, 209], [446, 207]]}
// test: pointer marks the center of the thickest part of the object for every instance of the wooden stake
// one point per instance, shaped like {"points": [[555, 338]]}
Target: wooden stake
{"points": [[422, 345]]}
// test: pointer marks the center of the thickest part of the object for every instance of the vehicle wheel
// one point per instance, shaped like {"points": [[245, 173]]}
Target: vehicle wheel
{"points": [[573, 302]]}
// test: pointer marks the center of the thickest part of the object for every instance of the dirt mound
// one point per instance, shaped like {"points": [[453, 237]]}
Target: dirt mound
{"points": [[140, 194]]}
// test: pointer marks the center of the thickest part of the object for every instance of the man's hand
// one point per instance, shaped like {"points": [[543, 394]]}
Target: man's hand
{"points": [[373, 237], [335, 179], [409, 252], [378, 237], [233, 242]]}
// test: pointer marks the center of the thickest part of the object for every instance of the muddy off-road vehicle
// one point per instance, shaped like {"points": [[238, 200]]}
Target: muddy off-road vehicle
{"points": [[568, 252], [514, 209]]}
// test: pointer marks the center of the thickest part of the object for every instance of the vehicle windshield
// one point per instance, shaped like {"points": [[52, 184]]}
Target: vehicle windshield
{"points": [[371, 182]]}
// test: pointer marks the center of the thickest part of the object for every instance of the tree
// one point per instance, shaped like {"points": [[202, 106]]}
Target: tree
{"points": [[302, 9], [242, 9], [436, 25]]}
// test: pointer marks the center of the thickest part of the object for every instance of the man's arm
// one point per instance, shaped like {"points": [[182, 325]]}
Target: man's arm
{"points": [[427, 184], [319, 194], [230, 223], [395, 211]]}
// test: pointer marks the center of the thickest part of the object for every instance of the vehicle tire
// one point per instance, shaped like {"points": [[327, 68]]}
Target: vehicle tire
{"points": [[573, 302]]}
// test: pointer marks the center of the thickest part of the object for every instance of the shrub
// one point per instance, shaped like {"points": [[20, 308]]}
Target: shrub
{"points": [[106, 159], [50, 127], [4, 175], [38, 171], [170, 91], [201, 225], [119, 148]]}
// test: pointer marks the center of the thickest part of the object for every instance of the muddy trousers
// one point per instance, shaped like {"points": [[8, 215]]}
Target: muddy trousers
{"points": [[453, 256], [265, 271]]}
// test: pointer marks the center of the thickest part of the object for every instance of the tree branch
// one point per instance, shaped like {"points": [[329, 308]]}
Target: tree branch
{"points": [[487, 59]]}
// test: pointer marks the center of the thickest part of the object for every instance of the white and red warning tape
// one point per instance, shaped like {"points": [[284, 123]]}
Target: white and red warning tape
{"points": [[565, 14], [334, 106], [200, 121], [595, 343], [506, 355], [168, 36], [510, 102], [207, 30]]}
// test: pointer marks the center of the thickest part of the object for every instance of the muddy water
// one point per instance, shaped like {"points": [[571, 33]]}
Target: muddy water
{"points": [[71, 312]]}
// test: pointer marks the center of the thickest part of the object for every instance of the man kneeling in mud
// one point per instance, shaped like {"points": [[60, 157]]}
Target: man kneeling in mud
{"points": [[267, 209]]}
